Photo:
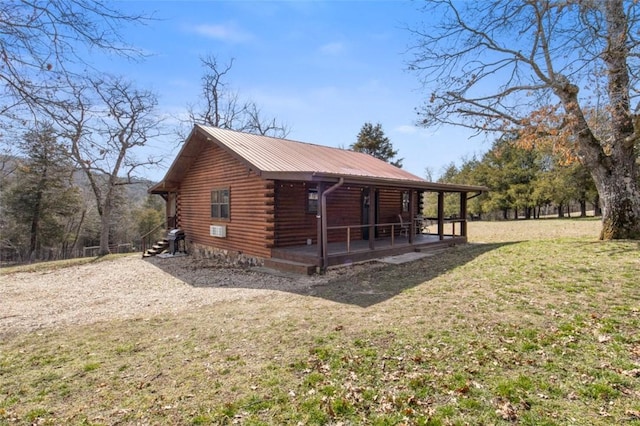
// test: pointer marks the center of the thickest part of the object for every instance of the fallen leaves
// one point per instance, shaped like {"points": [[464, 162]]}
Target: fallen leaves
{"points": [[507, 411]]}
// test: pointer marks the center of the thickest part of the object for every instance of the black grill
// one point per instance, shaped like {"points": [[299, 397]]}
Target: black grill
{"points": [[175, 237]]}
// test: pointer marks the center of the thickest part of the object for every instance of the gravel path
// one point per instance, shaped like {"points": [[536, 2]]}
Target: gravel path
{"points": [[131, 287]]}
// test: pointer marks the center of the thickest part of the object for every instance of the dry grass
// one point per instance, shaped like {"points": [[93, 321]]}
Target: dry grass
{"points": [[534, 230], [59, 264], [538, 325]]}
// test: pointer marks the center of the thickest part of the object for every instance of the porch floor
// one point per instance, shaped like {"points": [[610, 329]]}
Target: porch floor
{"points": [[359, 249]]}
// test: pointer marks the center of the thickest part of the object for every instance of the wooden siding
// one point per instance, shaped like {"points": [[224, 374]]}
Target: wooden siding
{"points": [[344, 207], [266, 214], [389, 206], [250, 225], [293, 223]]}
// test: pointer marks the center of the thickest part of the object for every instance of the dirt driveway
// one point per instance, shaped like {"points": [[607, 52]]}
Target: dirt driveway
{"points": [[131, 287]]}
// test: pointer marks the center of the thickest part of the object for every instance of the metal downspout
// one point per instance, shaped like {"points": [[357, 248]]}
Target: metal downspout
{"points": [[325, 256]]}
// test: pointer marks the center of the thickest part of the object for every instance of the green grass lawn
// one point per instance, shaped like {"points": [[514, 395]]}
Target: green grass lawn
{"points": [[534, 323]]}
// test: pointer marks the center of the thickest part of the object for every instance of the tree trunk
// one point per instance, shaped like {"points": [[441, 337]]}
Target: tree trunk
{"points": [[596, 207], [35, 220], [614, 170], [105, 221], [616, 176], [620, 200], [35, 224]]}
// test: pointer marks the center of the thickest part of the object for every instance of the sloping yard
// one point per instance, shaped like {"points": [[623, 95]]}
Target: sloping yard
{"points": [[535, 322]]}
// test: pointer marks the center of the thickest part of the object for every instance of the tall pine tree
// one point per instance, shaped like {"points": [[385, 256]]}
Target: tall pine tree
{"points": [[372, 141], [43, 197]]}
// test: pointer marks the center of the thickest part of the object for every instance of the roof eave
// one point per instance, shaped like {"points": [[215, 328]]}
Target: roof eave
{"points": [[368, 180]]}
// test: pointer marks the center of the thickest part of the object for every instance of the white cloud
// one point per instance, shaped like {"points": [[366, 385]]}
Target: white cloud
{"points": [[225, 32], [334, 48]]}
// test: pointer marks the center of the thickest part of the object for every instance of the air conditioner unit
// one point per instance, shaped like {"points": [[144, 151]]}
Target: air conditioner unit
{"points": [[219, 231]]}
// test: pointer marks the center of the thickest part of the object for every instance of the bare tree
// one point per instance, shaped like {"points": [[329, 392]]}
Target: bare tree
{"points": [[493, 65], [43, 43], [105, 124], [222, 107]]}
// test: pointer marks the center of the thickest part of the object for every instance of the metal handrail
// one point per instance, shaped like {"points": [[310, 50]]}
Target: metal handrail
{"points": [[348, 228], [393, 227], [145, 237]]}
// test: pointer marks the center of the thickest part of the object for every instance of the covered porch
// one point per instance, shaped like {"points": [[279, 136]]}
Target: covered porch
{"points": [[400, 229], [423, 234]]}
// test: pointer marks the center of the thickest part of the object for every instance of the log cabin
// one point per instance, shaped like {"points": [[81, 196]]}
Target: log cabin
{"points": [[299, 206]]}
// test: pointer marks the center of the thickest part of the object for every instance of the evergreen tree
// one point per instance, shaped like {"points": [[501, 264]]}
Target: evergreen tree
{"points": [[43, 198], [372, 141]]}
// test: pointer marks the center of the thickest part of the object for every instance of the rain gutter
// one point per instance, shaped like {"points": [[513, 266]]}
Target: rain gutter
{"points": [[325, 255]]}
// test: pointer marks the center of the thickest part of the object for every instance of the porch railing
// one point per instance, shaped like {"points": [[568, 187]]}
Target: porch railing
{"points": [[147, 239], [348, 228], [393, 226], [451, 220]]}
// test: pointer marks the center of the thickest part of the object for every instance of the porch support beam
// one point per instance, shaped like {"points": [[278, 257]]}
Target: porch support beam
{"points": [[463, 214], [412, 222], [441, 215], [372, 217], [319, 222]]}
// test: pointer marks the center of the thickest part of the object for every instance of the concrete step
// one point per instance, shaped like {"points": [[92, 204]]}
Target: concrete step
{"points": [[290, 266], [435, 249]]}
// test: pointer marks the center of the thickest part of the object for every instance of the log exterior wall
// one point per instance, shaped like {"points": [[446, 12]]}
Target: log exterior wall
{"points": [[294, 224], [266, 214], [250, 224], [344, 207]]}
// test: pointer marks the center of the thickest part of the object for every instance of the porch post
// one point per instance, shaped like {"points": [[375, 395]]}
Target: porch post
{"points": [[372, 217], [463, 214], [441, 215], [319, 222], [412, 222]]}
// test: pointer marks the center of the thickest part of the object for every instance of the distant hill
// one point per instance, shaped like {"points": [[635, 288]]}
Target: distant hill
{"points": [[136, 192]]}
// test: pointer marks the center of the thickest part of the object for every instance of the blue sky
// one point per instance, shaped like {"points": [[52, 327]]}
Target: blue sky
{"points": [[323, 68]]}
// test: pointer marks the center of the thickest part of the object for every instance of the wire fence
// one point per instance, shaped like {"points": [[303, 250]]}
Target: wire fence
{"points": [[11, 256]]}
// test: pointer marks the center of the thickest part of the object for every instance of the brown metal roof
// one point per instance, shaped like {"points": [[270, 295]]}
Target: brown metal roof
{"points": [[283, 159], [274, 155]]}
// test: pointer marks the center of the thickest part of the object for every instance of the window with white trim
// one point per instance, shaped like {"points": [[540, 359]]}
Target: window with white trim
{"points": [[312, 200], [220, 203], [405, 201]]}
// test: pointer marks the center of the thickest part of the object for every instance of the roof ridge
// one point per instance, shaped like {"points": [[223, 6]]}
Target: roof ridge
{"points": [[280, 139]]}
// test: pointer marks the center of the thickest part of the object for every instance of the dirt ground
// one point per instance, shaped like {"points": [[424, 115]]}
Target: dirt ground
{"points": [[132, 287]]}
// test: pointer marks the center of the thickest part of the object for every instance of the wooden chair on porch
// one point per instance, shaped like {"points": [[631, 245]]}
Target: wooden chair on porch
{"points": [[404, 227]]}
